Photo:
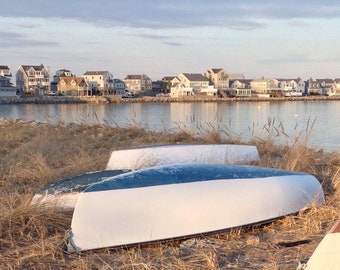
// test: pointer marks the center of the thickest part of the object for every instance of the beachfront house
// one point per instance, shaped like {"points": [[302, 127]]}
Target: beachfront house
{"points": [[218, 77], [73, 86], [240, 88], [198, 83], [138, 83], [33, 80], [5, 71], [100, 82], [265, 87], [292, 87], [337, 86], [119, 87], [58, 74], [320, 86]]}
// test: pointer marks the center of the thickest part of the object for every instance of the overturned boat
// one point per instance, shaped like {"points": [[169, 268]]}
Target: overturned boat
{"points": [[327, 253], [178, 201], [64, 193]]}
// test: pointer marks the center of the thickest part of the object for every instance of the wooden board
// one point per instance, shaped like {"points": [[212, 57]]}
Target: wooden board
{"points": [[143, 157], [175, 201], [327, 253]]}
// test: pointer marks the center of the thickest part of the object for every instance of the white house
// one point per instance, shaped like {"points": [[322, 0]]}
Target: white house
{"points": [[100, 82], [59, 73], [138, 83], [198, 83], [292, 87], [218, 77], [268, 86], [33, 80], [240, 88], [180, 90], [5, 71]]}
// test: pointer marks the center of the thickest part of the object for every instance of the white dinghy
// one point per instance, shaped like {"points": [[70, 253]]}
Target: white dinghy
{"points": [[64, 193], [178, 201], [327, 253], [149, 156]]}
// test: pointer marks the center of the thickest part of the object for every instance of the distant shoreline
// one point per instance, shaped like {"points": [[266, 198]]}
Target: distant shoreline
{"points": [[147, 99]]}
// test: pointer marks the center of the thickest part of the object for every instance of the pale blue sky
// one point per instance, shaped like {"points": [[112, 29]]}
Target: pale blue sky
{"points": [[282, 39]]}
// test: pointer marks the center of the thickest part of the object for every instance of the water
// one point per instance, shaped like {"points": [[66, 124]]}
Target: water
{"points": [[283, 121]]}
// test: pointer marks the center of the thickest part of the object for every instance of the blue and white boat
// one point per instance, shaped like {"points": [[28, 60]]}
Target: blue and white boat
{"points": [[182, 200], [64, 193]]}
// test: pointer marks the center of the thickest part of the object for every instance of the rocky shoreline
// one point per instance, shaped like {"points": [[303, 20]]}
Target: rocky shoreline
{"points": [[148, 99]]}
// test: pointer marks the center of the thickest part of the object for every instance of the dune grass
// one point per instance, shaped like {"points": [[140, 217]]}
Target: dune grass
{"points": [[35, 154]]}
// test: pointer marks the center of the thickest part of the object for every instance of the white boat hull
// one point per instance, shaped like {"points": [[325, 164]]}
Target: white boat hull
{"points": [[144, 157], [105, 217], [327, 253]]}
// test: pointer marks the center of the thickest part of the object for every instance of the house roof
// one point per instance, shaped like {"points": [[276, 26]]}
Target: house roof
{"points": [[133, 77], [27, 67], [4, 67], [69, 79], [244, 81], [118, 81], [324, 80], [94, 72], [216, 70], [263, 80], [195, 77], [168, 78]]}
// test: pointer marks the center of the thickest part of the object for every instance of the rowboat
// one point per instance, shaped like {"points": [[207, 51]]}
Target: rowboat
{"points": [[183, 200], [64, 193], [327, 253], [148, 156]]}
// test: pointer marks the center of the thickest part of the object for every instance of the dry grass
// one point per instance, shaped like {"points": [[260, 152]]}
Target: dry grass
{"points": [[34, 154]]}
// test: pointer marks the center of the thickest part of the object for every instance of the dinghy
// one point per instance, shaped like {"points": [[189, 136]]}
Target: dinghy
{"points": [[149, 156], [64, 193], [178, 201], [327, 253]]}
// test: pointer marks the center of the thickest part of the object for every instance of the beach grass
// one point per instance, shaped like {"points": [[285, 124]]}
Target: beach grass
{"points": [[35, 154]]}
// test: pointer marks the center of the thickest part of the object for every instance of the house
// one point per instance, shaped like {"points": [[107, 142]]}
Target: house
{"points": [[320, 86], [180, 90], [34, 80], [337, 86], [138, 83], [168, 81], [266, 86], [5, 71], [159, 87], [198, 83], [6, 87], [59, 73], [119, 87], [292, 87], [100, 82], [218, 77], [73, 86], [240, 88]]}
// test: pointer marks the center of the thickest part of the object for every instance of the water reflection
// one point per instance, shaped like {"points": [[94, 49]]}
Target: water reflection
{"points": [[283, 121]]}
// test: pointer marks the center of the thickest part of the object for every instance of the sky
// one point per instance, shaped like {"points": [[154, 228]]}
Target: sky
{"points": [[259, 38]]}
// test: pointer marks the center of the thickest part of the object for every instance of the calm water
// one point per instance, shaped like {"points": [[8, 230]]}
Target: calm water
{"points": [[284, 121]]}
